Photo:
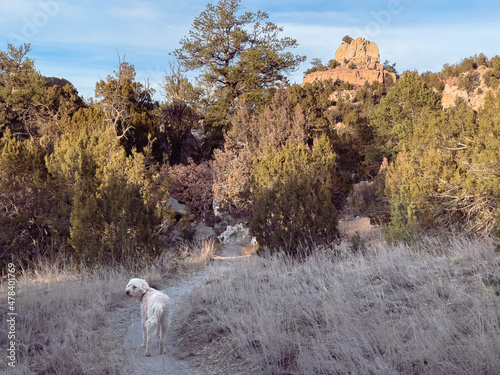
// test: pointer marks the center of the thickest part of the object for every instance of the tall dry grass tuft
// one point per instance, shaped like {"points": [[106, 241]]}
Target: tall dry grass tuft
{"points": [[62, 326], [190, 256], [61, 322], [431, 310], [65, 318]]}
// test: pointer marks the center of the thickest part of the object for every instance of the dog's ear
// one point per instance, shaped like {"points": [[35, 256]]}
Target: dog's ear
{"points": [[143, 286]]}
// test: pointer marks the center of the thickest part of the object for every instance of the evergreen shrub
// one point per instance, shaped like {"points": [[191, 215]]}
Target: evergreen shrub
{"points": [[294, 202]]}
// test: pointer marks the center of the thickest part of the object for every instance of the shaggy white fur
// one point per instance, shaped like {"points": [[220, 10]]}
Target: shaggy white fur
{"points": [[155, 308]]}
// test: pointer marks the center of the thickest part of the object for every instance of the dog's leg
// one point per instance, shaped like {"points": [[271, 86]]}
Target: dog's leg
{"points": [[149, 333], [162, 337], [144, 333], [158, 336]]}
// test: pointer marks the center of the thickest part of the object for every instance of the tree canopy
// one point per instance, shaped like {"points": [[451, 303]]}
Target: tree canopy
{"points": [[236, 53]]}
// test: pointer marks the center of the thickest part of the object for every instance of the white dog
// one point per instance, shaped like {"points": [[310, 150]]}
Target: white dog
{"points": [[155, 308]]}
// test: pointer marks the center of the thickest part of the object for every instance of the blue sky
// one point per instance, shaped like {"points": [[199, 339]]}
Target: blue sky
{"points": [[81, 40]]}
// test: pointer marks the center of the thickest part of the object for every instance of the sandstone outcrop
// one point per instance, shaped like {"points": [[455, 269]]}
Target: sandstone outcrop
{"points": [[359, 63], [358, 51], [475, 98], [357, 76]]}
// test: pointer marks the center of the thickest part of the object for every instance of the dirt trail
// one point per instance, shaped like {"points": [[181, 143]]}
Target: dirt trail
{"points": [[229, 254]]}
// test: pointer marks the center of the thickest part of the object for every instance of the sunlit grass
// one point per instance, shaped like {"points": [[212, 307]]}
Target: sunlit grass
{"points": [[62, 323], [431, 309]]}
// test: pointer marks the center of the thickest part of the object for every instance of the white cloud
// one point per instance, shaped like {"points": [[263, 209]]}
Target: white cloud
{"points": [[423, 48], [80, 41]]}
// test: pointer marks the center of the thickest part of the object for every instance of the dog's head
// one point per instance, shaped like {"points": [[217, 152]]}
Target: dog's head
{"points": [[136, 288]]}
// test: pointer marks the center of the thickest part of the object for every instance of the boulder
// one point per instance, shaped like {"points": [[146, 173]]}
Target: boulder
{"points": [[178, 207], [202, 232], [359, 63], [358, 51]]}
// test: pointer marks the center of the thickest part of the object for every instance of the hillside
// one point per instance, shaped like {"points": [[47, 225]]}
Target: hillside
{"points": [[357, 62], [475, 95]]}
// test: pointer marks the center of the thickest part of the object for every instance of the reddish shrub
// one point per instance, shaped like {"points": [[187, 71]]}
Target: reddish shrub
{"points": [[192, 185]]}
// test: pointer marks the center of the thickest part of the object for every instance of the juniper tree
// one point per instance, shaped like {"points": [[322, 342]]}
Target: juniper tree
{"points": [[22, 92], [393, 120], [116, 207], [295, 192]]}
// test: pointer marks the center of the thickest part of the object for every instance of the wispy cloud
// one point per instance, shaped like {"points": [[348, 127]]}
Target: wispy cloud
{"points": [[80, 40]]}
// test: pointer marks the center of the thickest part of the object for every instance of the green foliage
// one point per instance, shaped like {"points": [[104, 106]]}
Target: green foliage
{"points": [[181, 113], [317, 66], [433, 80], [369, 95], [347, 39], [115, 206], [391, 68], [345, 123], [236, 53], [30, 209], [22, 92], [62, 103], [393, 121], [469, 81], [406, 190], [445, 179], [492, 77], [128, 107], [332, 64], [251, 135], [315, 100], [295, 192], [455, 70], [177, 118]]}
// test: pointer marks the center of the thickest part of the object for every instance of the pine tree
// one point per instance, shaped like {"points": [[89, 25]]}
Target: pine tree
{"points": [[236, 53], [22, 93]]}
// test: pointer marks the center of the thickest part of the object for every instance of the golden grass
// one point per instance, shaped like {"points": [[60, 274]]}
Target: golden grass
{"points": [[434, 309], [63, 327]]}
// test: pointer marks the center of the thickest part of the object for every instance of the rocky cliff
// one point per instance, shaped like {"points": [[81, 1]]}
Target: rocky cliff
{"points": [[357, 51], [359, 63], [355, 76]]}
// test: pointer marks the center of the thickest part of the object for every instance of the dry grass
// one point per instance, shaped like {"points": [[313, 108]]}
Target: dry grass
{"points": [[61, 326], [431, 310], [189, 257], [63, 322], [198, 255]]}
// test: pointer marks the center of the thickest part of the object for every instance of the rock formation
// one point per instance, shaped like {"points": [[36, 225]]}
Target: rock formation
{"points": [[359, 62], [474, 98], [355, 76], [358, 51]]}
